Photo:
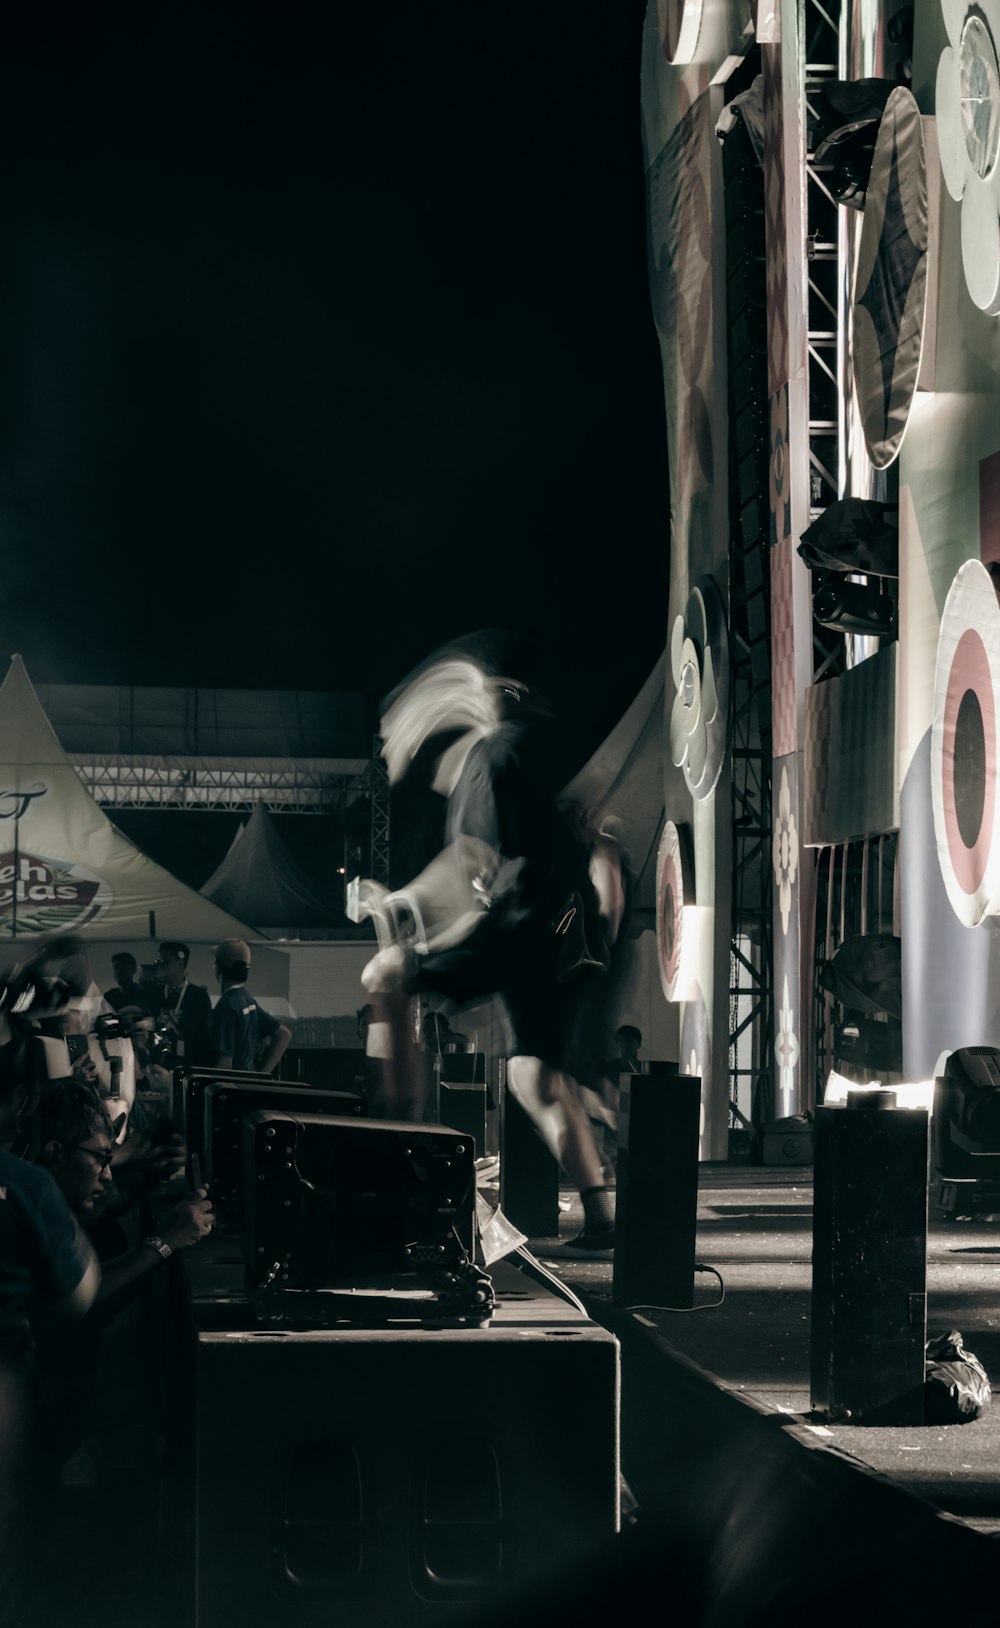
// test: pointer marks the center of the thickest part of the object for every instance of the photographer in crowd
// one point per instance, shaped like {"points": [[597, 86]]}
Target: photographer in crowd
{"points": [[71, 1136], [183, 1009], [45, 1260]]}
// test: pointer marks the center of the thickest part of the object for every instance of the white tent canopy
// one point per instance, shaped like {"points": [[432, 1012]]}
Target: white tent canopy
{"points": [[64, 868], [624, 779]]}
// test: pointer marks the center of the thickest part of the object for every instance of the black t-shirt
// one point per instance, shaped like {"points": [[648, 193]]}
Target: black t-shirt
{"points": [[134, 995], [186, 1014], [238, 1027]]}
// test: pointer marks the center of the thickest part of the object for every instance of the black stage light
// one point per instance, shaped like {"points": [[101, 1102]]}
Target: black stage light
{"points": [[966, 1130], [847, 606]]}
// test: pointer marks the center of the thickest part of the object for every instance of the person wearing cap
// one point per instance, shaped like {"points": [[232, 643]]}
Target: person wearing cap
{"points": [[239, 1024]]}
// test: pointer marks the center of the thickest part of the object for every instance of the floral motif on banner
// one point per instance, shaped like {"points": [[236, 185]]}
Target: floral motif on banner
{"points": [[967, 106], [785, 851], [779, 475], [786, 1048]]}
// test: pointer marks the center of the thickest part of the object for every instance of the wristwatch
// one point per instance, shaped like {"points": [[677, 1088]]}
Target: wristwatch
{"points": [[160, 1247]]}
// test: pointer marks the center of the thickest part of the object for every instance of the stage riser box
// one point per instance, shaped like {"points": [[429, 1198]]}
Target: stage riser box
{"points": [[364, 1478]]}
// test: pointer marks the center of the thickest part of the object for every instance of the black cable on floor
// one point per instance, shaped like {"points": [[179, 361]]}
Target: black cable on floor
{"points": [[709, 1305]]}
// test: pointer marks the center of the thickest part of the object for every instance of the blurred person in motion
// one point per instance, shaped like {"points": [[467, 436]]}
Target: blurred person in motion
{"points": [[524, 901]]}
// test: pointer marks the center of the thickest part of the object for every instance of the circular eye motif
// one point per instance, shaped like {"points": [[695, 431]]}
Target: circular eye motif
{"points": [[679, 24], [673, 884], [979, 80], [964, 746], [967, 120], [890, 287]]}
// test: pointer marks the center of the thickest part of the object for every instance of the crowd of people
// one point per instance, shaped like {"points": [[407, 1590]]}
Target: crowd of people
{"points": [[93, 1200], [526, 901]]}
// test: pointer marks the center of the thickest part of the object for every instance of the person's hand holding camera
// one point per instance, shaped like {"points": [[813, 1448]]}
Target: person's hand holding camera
{"points": [[168, 1158], [189, 1221]]}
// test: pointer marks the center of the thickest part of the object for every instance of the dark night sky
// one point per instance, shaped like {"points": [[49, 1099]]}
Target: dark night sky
{"points": [[324, 337]]}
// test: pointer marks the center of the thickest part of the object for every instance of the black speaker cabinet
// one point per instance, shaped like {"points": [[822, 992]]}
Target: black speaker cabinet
{"points": [[656, 1209], [377, 1479], [225, 1105], [334, 1201], [529, 1175], [188, 1094], [331, 1068], [869, 1299]]}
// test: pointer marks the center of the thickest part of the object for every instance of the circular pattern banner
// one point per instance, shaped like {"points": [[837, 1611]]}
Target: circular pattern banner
{"points": [[890, 285], [699, 662], [679, 24], [673, 888], [964, 746], [967, 109]]}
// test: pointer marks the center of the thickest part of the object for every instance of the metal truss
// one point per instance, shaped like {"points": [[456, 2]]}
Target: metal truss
{"points": [[821, 36], [226, 785], [751, 960], [751, 967], [377, 786]]}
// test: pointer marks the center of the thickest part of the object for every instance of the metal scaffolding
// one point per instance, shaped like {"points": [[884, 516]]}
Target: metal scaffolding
{"points": [[228, 785], [751, 961], [377, 786]]}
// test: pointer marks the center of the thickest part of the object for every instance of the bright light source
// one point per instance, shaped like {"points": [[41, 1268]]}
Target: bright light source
{"points": [[909, 1095]]}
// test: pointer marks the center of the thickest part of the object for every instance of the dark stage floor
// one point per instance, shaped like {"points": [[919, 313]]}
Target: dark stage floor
{"points": [[755, 1228]]}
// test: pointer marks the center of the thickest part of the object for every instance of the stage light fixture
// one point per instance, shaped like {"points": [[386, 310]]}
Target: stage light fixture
{"points": [[849, 605]]}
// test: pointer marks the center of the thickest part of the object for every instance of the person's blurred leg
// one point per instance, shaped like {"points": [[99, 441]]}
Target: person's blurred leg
{"points": [[553, 1103]]}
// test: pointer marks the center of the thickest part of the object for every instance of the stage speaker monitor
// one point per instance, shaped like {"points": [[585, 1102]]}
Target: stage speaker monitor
{"points": [[462, 1096], [338, 1202], [656, 1212], [226, 1104], [529, 1175], [329, 1068], [186, 1101], [869, 1300]]}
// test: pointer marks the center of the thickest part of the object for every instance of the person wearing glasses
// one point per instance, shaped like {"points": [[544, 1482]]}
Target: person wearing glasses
{"points": [[45, 1260], [72, 1137], [184, 1009]]}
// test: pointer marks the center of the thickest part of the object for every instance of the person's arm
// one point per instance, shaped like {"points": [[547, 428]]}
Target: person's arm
{"points": [[79, 1300], [277, 1036], [276, 1047], [224, 1034], [202, 1037], [71, 1275], [188, 1222]]}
